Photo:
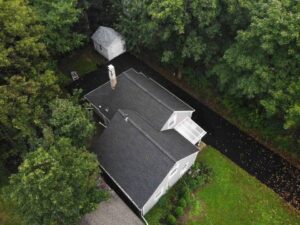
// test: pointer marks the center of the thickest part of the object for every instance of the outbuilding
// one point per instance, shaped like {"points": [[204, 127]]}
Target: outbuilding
{"points": [[108, 42]]}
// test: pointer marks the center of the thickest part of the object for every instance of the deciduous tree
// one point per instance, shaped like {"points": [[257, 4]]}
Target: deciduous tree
{"points": [[56, 186], [21, 48], [59, 17]]}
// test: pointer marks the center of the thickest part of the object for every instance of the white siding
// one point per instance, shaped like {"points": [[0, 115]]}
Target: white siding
{"points": [[180, 115], [112, 51], [170, 180]]}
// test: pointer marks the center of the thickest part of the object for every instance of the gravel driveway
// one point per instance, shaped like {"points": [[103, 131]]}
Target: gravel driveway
{"points": [[112, 212]]}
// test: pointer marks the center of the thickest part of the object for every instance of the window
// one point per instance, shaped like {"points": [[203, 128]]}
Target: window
{"points": [[172, 121], [185, 168], [173, 172], [158, 194]]}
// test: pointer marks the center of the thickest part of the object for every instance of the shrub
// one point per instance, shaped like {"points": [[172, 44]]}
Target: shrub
{"points": [[182, 203], [171, 220], [179, 211]]}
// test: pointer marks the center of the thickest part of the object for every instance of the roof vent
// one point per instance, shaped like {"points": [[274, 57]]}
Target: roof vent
{"points": [[112, 76]]}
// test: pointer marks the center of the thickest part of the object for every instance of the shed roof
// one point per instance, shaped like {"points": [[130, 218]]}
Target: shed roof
{"points": [[106, 36], [137, 156], [139, 93]]}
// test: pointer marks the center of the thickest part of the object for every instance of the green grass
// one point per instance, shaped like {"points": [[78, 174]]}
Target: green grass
{"points": [[83, 60], [232, 197]]}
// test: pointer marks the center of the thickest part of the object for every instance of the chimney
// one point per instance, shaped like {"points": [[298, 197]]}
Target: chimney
{"points": [[112, 76]]}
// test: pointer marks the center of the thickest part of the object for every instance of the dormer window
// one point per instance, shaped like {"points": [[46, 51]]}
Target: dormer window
{"points": [[158, 194]]}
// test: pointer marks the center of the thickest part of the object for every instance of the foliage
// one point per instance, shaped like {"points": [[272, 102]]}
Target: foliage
{"points": [[262, 66], [32, 114], [172, 206], [232, 196], [56, 186], [23, 104], [171, 220], [59, 17], [69, 119], [179, 30], [21, 48], [249, 48]]}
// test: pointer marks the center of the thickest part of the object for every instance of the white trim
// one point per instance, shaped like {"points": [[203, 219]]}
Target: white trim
{"points": [[172, 121], [185, 168], [159, 194], [119, 186], [144, 220], [173, 171]]}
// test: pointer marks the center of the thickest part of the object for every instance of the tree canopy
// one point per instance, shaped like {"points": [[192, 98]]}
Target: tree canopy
{"points": [[21, 48], [56, 186], [23, 111], [264, 62], [69, 119], [59, 17]]}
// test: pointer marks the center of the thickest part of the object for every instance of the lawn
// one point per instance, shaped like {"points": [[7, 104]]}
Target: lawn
{"points": [[83, 61], [232, 197]]}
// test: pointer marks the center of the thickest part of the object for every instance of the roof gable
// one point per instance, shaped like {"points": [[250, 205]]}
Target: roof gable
{"points": [[106, 36], [136, 92], [137, 156], [135, 162]]}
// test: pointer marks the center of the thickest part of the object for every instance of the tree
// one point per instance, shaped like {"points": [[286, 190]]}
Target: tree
{"points": [[262, 66], [56, 186], [69, 119], [23, 111], [178, 30], [21, 48], [59, 18]]}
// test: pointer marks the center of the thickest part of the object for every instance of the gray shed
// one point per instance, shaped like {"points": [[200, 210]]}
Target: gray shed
{"points": [[108, 42]]}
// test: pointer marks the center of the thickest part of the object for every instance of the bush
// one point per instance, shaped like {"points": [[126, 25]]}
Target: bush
{"points": [[182, 203], [179, 211], [171, 220]]}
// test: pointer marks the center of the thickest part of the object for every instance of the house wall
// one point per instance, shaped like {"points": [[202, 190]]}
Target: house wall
{"points": [[176, 116], [102, 50], [180, 169], [116, 49]]}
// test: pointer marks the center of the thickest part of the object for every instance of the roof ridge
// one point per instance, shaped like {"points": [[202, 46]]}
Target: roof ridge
{"points": [[171, 93], [146, 135], [149, 93]]}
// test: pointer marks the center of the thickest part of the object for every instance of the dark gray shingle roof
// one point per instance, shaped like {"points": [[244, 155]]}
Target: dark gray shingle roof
{"points": [[137, 156], [141, 94]]}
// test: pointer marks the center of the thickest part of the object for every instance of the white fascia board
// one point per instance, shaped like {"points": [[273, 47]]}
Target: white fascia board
{"points": [[119, 186]]}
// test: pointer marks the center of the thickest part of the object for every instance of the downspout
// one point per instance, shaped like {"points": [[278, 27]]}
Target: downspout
{"points": [[144, 220]]}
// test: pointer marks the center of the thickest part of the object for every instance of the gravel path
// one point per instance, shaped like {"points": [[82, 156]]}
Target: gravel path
{"points": [[112, 212]]}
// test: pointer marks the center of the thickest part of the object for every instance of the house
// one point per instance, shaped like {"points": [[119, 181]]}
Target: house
{"points": [[108, 42], [149, 142]]}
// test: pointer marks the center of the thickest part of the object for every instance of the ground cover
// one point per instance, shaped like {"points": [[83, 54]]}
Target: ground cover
{"points": [[232, 197], [83, 61]]}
